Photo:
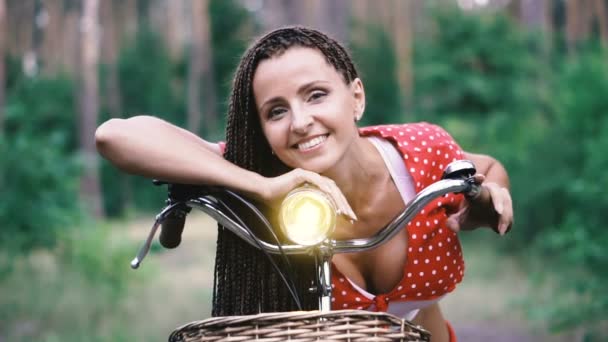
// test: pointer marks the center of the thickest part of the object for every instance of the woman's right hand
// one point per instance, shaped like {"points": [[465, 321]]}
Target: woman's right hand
{"points": [[276, 188]]}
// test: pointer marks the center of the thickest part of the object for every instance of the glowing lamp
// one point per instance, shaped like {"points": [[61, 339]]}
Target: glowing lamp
{"points": [[307, 216]]}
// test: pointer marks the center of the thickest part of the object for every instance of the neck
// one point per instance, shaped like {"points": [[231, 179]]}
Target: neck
{"points": [[359, 173]]}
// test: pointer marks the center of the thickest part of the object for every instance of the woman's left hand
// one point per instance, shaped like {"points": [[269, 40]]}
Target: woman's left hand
{"points": [[493, 208]]}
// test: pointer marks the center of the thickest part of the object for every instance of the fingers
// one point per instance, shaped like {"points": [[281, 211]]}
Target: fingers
{"points": [[502, 202], [506, 219], [479, 178]]}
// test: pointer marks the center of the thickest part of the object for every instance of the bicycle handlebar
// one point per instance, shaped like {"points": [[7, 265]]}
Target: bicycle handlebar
{"points": [[459, 180]]}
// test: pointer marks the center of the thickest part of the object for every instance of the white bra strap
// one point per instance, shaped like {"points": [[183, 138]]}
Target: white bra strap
{"points": [[396, 167]]}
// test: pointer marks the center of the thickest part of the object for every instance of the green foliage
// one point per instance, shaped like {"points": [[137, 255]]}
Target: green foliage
{"points": [[73, 292], [38, 172], [152, 83], [377, 64], [566, 207], [478, 76], [228, 23], [544, 115], [44, 108]]}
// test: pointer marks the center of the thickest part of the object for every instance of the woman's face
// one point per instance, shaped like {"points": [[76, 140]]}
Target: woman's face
{"points": [[306, 110]]}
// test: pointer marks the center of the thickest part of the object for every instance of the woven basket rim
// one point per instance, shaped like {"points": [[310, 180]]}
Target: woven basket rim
{"points": [[373, 322]]}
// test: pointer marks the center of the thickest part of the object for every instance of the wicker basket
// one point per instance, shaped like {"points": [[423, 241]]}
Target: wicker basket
{"points": [[303, 326]]}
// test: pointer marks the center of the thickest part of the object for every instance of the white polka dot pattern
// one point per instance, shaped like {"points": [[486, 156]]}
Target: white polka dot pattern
{"points": [[431, 269]]}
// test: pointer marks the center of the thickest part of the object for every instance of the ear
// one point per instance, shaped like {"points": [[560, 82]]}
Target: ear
{"points": [[358, 92]]}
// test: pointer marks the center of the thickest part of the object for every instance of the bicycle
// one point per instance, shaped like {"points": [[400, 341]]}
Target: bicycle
{"points": [[320, 325]]}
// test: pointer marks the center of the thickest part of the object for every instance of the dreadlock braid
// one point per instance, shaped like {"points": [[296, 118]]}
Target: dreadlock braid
{"points": [[245, 282]]}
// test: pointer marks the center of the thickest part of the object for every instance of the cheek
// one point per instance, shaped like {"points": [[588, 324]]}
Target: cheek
{"points": [[273, 134]]}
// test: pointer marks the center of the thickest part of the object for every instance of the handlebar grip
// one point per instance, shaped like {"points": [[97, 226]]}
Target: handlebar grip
{"points": [[172, 228]]}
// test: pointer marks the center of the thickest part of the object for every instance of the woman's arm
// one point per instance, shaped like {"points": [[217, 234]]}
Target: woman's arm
{"points": [[490, 167], [153, 148], [493, 207]]}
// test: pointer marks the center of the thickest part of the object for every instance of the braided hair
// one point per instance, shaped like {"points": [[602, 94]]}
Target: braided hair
{"points": [[245, 282]]}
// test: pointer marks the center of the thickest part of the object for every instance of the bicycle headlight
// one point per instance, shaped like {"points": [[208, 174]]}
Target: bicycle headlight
{"points": [[307, 216]]}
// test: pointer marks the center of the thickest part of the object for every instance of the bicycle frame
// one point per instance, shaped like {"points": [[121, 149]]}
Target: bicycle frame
{"points": [[456, 179]]}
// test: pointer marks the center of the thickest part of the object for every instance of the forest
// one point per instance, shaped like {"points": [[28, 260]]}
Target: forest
{"points": [[523, 80]]}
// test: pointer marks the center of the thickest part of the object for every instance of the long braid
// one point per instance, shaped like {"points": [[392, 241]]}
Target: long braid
{"points": [[245, 282]]}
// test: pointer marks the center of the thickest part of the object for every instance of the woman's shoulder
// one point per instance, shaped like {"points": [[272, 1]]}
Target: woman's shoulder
{"points": [[403, 129], [418, 136]]}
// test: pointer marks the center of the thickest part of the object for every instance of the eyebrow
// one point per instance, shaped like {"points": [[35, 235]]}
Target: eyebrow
{"points": [[301, 90]]}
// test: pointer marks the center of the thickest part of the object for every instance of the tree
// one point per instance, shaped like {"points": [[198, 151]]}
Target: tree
{"points": [[52, 36], [109, 57], [201, 75], [602, 20], [2, 66], [402, 32], [89, 101]]}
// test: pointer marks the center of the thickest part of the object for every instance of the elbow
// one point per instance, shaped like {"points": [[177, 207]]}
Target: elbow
{"points": [[106, 133]]}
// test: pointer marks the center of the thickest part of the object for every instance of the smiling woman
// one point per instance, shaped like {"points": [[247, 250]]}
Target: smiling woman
{"points": [[292, 120], [307, 110]]}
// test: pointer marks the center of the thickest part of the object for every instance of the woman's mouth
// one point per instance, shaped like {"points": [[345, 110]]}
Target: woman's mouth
{"points": [[312, 143]]}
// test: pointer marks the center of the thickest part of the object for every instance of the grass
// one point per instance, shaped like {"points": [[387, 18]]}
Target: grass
{"points": [[84, 290]]}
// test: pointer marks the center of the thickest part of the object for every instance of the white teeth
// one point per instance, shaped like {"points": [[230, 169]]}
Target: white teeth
{"points": [[312, 142]]}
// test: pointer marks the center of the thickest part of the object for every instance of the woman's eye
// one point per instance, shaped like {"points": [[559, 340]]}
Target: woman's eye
{"points": [[315, 95], [276, 113]]}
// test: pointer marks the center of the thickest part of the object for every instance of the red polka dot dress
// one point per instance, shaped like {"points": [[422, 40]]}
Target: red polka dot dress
{"points": [[434, 263]]}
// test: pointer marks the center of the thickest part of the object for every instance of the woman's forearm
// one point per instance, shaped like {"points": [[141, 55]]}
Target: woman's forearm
{"points": [[153, 148]]}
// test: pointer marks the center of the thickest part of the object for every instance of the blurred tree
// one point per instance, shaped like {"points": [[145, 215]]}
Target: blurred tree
{"points": [[70, 54], [602, 20], [232, 27], [330, 16], [563, 208], [175, 27], [398, 19], [89, 104], [109, 58], [2, 62], [51, 23], [201, 79], [402, 34], [585, 19], [39, 192], [572, 24], [374, 54]]}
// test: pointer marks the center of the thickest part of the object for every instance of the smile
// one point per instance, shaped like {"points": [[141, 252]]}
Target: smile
{"points": [[312, 143]]}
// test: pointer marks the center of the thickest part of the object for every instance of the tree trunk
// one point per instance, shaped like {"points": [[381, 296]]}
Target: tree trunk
{"points": [[586, 19], [21, 18], [533, 14], [3, 27], [602, 20], [71, 41], [201, 76], [52, 35], [274, 14], [175, 28], [109, 57], [572, 25], [402, 39], [90, 185], [335, 20]]}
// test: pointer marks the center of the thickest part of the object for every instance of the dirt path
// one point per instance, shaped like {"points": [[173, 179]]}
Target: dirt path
{"points": [[483, 308]]}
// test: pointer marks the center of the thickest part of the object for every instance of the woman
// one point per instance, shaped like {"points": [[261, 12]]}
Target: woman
{"points": [[292, 119]]}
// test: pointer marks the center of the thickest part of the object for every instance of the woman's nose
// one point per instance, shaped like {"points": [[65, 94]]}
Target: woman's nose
{"points": [[301, 121]]}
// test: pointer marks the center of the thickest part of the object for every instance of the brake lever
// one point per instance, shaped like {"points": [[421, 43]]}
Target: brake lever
{"points": [[143, 251]]}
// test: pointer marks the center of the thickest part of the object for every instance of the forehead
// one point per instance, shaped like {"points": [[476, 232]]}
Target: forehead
{"points": [[295, 64]]}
